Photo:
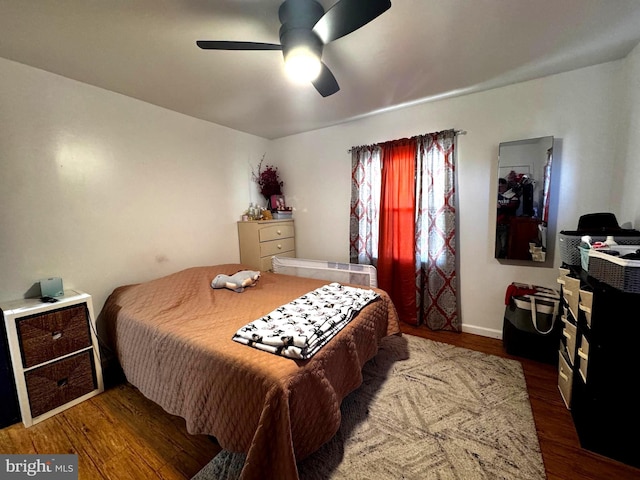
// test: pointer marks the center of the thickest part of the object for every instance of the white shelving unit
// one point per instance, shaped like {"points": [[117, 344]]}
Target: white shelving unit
{"points": [[54, 353]]}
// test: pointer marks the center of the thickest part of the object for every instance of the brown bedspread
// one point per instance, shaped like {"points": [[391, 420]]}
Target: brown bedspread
{"points": [[173, 338]]}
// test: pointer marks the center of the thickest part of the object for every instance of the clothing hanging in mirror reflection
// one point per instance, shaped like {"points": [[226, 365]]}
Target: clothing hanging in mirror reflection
{"points": [[508, 204]]}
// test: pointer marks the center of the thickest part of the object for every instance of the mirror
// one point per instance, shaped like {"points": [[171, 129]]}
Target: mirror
{"points": [[524, 178]]}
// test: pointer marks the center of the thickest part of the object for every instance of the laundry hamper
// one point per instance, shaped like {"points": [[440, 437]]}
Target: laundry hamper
{"points": [[531, 326]]}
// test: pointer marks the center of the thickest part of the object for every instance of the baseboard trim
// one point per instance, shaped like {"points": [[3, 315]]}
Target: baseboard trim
{"points": [[482, 331]]}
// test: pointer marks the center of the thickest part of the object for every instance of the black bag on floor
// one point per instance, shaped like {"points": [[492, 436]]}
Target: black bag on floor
{"points": [[531, 326]]}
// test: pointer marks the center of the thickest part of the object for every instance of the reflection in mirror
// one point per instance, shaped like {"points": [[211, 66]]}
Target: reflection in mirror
{"points": [[524, 177]]}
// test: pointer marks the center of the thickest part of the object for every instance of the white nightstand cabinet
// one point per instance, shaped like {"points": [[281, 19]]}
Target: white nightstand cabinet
{"points": [[263, 239], [54, 353]]}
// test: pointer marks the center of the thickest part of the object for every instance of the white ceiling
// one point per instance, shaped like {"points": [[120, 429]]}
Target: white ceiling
{"points": [[416, 51]]}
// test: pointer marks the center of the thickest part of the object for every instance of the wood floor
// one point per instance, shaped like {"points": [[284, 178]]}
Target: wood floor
{"points": [[120, 435]]}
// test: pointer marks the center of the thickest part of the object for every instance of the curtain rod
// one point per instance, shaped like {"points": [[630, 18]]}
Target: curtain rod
{"points": [[456, 132]]}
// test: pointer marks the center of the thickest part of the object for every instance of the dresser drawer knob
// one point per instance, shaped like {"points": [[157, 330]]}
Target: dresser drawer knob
{"points": [[278, 232], [56, 335], [63, 382], [279, 247]]}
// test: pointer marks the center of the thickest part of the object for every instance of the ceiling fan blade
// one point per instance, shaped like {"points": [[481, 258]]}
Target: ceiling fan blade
{"points": [[347, 16], [225, 45], [326, 84]]}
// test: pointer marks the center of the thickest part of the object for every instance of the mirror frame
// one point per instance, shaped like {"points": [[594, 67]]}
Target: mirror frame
{"points": [[523, 187]]}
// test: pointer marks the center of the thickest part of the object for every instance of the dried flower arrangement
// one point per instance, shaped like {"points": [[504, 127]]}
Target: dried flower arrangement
{"points": [[268, 180]]}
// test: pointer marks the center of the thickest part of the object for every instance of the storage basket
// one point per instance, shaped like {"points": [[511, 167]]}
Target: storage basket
{"points": [[570, 246], [45, 336], [615, 271], [570, 243], [57, 383], [584, 256]]}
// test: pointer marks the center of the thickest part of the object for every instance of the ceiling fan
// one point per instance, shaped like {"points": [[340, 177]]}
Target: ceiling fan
{"points": [[305, 29]]}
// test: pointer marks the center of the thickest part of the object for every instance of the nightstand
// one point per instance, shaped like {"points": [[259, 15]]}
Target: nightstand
{"points": [[54, 352]]}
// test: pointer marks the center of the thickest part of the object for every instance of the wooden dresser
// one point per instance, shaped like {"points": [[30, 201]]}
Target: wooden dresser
{"points": [[261, 240], [54, 353]]}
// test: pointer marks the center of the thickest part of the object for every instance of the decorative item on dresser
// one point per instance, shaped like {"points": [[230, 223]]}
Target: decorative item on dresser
{"points": [[268, 179], [54, 352], [261, 240]]}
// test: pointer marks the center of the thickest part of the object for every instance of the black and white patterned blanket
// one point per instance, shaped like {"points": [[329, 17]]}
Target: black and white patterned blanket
{"points": [[301, 327]]}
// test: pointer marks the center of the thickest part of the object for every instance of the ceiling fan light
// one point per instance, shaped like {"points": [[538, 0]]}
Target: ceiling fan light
{"points": [[302, 65]]}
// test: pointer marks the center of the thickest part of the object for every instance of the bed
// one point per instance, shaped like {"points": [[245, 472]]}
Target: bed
{"points": [[173, 339]]}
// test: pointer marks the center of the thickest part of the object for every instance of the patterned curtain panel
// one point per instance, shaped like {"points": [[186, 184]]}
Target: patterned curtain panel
{"points": [[435, 259], [365, 204], [436, 281]]}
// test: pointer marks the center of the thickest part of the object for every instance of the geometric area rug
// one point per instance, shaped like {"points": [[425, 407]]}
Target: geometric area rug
{"points": [[425, 410]]}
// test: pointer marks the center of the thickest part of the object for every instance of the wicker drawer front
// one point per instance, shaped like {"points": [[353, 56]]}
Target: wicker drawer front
{"points": [[55, 384], [53, 334]]}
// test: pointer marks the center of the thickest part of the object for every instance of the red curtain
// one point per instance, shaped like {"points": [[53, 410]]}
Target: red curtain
{"points": [[396, 249]]}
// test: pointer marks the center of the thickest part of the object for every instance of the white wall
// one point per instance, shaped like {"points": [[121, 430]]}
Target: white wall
{"points": [[629, 176], [579, 108], [104, 190]]}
